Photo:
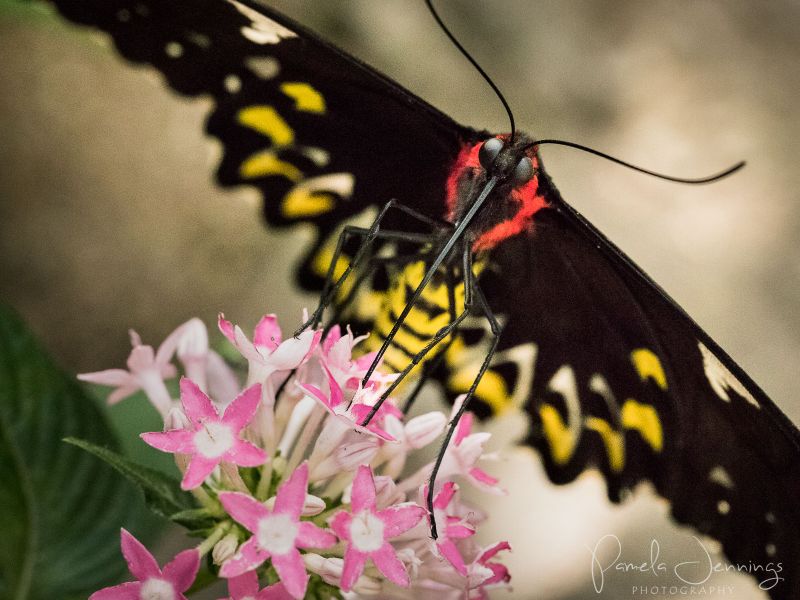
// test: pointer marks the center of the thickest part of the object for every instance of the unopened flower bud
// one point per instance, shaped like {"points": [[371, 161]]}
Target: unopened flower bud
{"points": [[312, 506], [424, 429], [176, 418], [224, 549]]}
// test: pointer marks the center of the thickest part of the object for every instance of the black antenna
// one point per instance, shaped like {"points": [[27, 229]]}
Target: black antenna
{"points": [[700, 180], [475, 64]]}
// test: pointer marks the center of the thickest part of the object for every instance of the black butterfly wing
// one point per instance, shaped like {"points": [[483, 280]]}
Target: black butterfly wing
{"points": [[321, 135], [625, 382]]}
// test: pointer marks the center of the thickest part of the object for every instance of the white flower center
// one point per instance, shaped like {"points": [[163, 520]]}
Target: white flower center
{"points": [[366, 531], [213, 439], [277, 533], [156, 589]]}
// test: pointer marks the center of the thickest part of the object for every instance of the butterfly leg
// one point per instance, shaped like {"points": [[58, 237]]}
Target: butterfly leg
{"points": [[368, 236], [496, 330]]}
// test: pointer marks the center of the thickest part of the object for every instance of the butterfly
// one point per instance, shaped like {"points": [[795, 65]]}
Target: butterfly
{"points": [[612, 373]]}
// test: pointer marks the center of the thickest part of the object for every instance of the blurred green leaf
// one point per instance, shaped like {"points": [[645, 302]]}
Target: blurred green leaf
{"points": [[61, 507]]}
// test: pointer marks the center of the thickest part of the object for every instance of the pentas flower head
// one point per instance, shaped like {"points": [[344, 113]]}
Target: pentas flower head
{"points": [[368, 530], [277, 533], [272, 464], [153, 583], [211, 438]]}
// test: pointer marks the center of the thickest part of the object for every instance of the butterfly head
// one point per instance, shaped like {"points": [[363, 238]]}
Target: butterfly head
{"points": [[510, 208]]}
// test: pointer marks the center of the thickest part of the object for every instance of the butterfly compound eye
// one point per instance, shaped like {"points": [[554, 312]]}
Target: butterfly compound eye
{"points": [[523, 172], [489, 151]]}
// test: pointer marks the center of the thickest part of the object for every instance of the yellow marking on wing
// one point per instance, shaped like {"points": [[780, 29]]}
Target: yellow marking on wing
{"points": [[644, 419], [266, 120], [306, 98], [301, 202], [403, 338], [559, 437], [492, 389], [648, 365], [612, 439], [265, 164]]}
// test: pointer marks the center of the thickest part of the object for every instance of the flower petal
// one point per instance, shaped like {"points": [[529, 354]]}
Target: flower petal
{"points": [[463, 428], [182, 569], [249, 556], [363, 495], [245, 454], [267, 333], [444, 497], [222, 383], [401, 518], [274, 592], [340, 523], [292, 572], [141, 563], [226, 327], [175, 440], [311, 536], [243, 585], [291, 495], [199, 468], [244, 508], [448, 549], [392, 567], [197, 406], [113, 377], [125, 591], [243, 408], [333, 335], [354, 562], [293, 351]]}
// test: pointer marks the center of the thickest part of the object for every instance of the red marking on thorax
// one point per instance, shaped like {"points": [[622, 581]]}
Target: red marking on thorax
{"points": [[526, 196]]}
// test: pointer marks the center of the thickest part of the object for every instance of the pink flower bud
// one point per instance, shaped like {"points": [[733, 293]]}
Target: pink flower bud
{"points": [[225, 548], [424, 429]]}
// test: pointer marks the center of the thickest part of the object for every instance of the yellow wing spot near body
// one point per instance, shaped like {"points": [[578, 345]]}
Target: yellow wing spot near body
{"points": [[266, 121], [266, 164], [648, 366], [612, 439], [315, 196], [492, 388], [644, 419], [306, 98]]}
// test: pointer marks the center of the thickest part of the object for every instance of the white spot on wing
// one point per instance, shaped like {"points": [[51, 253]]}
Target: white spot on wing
{"points": [[723, 507], [263, 67], [173, 50], [233, 84], [770, 549], [564, 383], [719, 475], [263, 29], [338, 183], [721, 379]]}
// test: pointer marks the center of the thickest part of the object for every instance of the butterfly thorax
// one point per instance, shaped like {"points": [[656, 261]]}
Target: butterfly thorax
{"points": [[510, 209]]}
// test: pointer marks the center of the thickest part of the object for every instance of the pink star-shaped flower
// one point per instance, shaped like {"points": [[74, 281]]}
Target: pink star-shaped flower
{"points": [[450, 527], [368, 531], [176, 577], [463, 454], [277, 533], [268, 353], [245, 587], [213, 439], [483, 573], [359, 408], [147, 370], [337, 356]]}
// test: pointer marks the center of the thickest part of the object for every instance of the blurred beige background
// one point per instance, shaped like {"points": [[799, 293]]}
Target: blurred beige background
{"points": [[109, 218]]}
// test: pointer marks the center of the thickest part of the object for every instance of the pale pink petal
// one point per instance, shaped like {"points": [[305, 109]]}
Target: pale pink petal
{"points": [[125, 591], [399, 519], [392, 567], [121, 393], [364, 362], [444, 497], [182, 569], [424, 429], [274, 592], [267, 333], [318, 394], [293, 351], [243, 585], [291, 495], [354, 562], [490, 552], [113, 377], [499, 573], [242, 410], [197, 406], [141, 358], [245, 454], [448, 549], [175, 440], [141, 563], [226, 327], [311, 536], [363, 495], [337, 396], [340, 523], [463, 428], [333, 335], [483, 477], [292, 571], [243, 508], [459, 532], [199, 468], [222, 383], [249, 556]]}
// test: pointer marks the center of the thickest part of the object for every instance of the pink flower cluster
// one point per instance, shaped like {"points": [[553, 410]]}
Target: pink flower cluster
{"points": [[304, 494]]}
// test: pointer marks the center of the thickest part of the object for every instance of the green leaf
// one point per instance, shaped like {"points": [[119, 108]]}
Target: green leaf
{"points": [[163, 494], [60, 508]]}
